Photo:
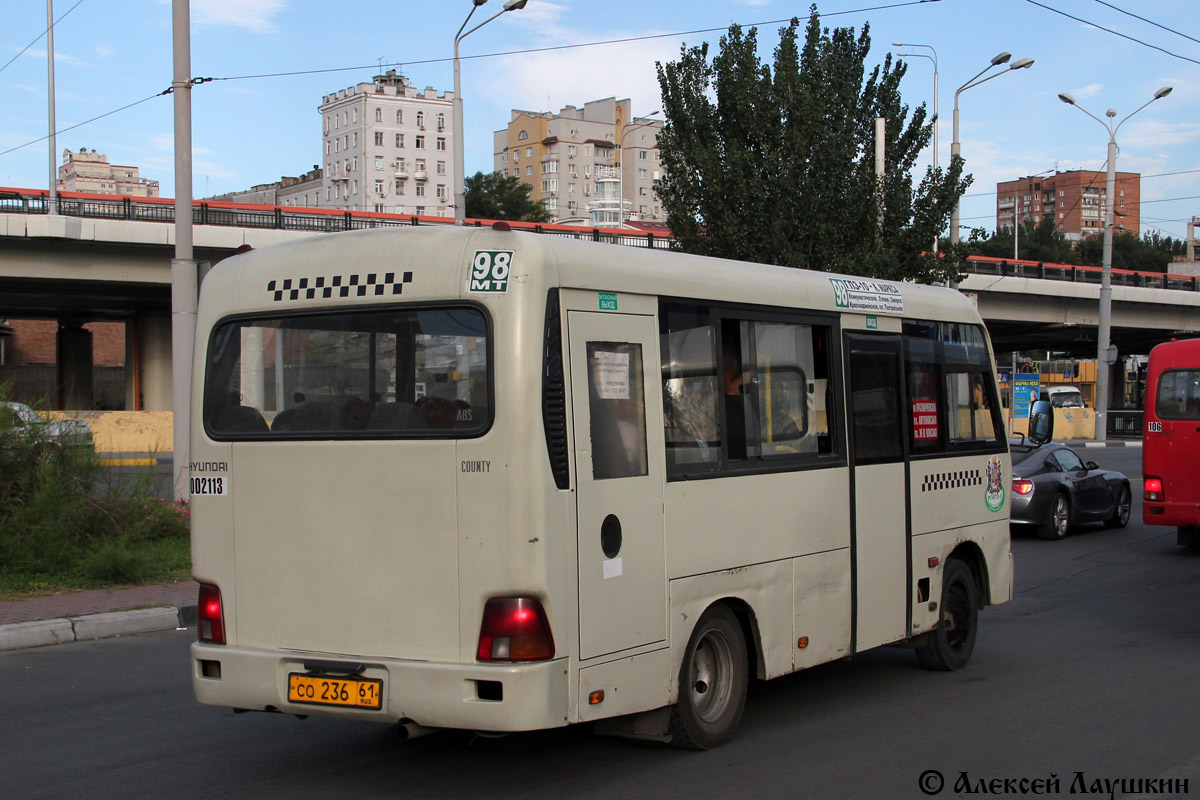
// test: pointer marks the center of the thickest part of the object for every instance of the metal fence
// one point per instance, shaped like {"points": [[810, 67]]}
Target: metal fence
{"points": [[1074, 274]]}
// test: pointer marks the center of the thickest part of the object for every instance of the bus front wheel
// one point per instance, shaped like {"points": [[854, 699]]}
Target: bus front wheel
{"points": [[712, 683], [948, 646]]}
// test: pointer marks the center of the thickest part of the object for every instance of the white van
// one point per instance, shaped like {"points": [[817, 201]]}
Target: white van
{"points": [[1063, 396]]}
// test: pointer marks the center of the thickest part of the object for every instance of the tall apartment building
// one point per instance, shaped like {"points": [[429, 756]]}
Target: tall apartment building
{"points": [[1075, 199], [90, 172], [598, 162], [389, 147]]}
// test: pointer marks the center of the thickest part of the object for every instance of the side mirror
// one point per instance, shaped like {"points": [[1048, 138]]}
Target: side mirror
{"points": [[1041, 422], [1092, 465]]}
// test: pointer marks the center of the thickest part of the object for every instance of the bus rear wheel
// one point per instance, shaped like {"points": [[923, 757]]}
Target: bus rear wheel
{"points": [[712, 683], [949, 646]]}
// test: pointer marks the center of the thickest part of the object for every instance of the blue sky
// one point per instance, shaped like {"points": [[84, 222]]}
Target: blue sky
{"points": [[110, 53]]}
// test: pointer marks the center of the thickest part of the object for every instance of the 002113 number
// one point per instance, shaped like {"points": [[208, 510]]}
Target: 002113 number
{"points": [[216, 485]]}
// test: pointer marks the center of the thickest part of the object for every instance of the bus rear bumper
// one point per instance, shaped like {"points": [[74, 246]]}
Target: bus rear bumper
{"points": [[1176, 515], [487, 697]]}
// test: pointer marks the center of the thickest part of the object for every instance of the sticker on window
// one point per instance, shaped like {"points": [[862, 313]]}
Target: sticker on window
{"points": [[490, 271], [925, 421], [611, 375]]}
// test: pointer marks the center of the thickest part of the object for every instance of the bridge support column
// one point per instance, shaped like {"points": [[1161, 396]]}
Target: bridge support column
{"points": [[74, 356], [148, 363]]}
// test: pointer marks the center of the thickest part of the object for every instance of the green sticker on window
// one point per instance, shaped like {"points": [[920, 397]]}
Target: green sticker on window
{"points": [[608, 301], [872, 323]]}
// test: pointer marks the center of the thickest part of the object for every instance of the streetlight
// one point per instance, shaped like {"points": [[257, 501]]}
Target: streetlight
{"points": [[460, 168], [621, 170], [1104, 355], [1002, 58], [936, 119]]}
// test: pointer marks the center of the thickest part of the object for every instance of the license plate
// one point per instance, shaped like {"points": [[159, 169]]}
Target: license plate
{"points": [[323, 691]]}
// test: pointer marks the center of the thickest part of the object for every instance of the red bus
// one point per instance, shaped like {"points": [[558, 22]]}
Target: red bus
{"points": [[1171, 439]]}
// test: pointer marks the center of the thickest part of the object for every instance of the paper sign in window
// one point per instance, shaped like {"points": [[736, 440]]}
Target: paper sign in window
{"points": [[611, 373]]}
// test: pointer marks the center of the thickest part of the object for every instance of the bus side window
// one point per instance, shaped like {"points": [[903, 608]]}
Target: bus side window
{"points": [[617, 410]]}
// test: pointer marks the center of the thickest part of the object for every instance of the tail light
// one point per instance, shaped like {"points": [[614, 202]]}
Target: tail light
{"points": [[1153, 490], [210, 618], [514, 629], [1022, 486]]}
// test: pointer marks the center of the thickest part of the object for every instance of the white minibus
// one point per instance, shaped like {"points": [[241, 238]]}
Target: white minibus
{"points": [[486, 479]]}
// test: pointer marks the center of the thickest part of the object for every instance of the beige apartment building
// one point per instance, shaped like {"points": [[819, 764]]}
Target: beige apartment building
{"points": [[1074, 199], [595, 165], [89, 171], [388, 147]]}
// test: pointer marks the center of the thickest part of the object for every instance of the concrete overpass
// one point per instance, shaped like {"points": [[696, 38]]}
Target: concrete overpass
{"points": [[108, 258]]}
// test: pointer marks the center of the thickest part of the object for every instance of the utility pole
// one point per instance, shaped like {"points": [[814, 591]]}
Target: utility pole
{"points": [[53, 209], [183, 266]]}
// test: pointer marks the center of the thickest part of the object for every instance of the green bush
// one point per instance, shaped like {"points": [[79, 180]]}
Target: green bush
{"points": [[65, 525]]}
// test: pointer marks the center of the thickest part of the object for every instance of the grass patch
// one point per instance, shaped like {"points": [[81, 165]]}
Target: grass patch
{"points": [[65, 524]]}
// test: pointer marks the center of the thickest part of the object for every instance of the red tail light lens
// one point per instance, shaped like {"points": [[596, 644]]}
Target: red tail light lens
{"points": [[514, 629], [1022, 486], [210, 618], [1153, 490]]}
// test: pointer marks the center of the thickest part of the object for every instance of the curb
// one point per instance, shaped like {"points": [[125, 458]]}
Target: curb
{"points": [[88, 627], [1113, 444]]}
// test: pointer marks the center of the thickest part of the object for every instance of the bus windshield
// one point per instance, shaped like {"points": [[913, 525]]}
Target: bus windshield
{"points": [[339, 374]]}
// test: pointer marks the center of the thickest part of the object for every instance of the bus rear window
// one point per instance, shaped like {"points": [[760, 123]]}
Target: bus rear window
{"points": [[372, 374], [1178, 395]]}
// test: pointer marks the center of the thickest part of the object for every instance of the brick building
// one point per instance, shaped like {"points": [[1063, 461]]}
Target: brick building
{"points": [[1074, 198]]}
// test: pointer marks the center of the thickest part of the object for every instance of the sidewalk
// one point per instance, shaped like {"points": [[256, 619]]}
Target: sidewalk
{"points": [[96, 614]]}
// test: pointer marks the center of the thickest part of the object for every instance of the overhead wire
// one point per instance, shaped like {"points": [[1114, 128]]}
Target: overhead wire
{"points": [[40, 35], [1149, 21], [1114, 33]]}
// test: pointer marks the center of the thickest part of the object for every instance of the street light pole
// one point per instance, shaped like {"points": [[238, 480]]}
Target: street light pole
{"points": [[1002, 58], [621, 170], [460, 168], [1104, 355], [937, 120]]}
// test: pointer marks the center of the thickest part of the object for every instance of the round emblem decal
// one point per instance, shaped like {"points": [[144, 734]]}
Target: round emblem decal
{"points": [[993, 494]]}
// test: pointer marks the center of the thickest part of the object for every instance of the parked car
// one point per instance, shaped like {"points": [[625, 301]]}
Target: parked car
{"points": [[66, 433], [1053, 489]]}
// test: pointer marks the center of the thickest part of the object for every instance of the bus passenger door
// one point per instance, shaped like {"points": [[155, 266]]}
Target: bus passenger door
{"points": [[620, 465], [880, 541]]}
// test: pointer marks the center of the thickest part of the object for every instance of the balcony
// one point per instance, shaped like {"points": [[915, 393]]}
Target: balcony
{"points": [[421, 175]]}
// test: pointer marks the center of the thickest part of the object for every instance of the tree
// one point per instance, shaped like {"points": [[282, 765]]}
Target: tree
{"points": [[777, 165], [1038, 241], [500, 196], [1151, 253]]}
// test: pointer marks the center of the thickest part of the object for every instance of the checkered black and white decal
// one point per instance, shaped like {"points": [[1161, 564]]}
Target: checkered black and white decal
{"points": [[952, 480], [371, 284]]}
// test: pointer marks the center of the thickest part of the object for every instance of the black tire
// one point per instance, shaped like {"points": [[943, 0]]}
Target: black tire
{"points": [[1120, 517], [1058, 518], [712, 683], [949, 646]]}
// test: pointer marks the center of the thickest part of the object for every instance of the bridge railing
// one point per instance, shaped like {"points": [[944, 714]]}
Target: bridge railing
{"points": [[157, 209], [981, 265]]}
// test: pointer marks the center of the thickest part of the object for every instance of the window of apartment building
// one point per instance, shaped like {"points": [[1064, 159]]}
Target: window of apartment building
{"points": [[420, 190], [642, 155], [354, 163], [529, 152], [570, 151], [420, 142], [441, 168], [522, 135], [550, 185], [379, 115], [643, 191], [354, 115], [441, 122], [399, 140], [420, 165], [504, 157], [379, 138], [399, 165], [551, 203], [642, 210], [516, 155], [441, 143], [529, 170], [379, 207], [441, 191], [571, 187], [399, 186], [378, 187], [354, 139], [420, 210], [642, 173], [354, 187], [399, 116], [328, 148], [421, 120], [379, 162], [603, 152], [549, 167]]}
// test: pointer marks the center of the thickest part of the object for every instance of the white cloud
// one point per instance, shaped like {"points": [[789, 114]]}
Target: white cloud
{"points": [[256, 16], [1091, 90], [1150, 133]]}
